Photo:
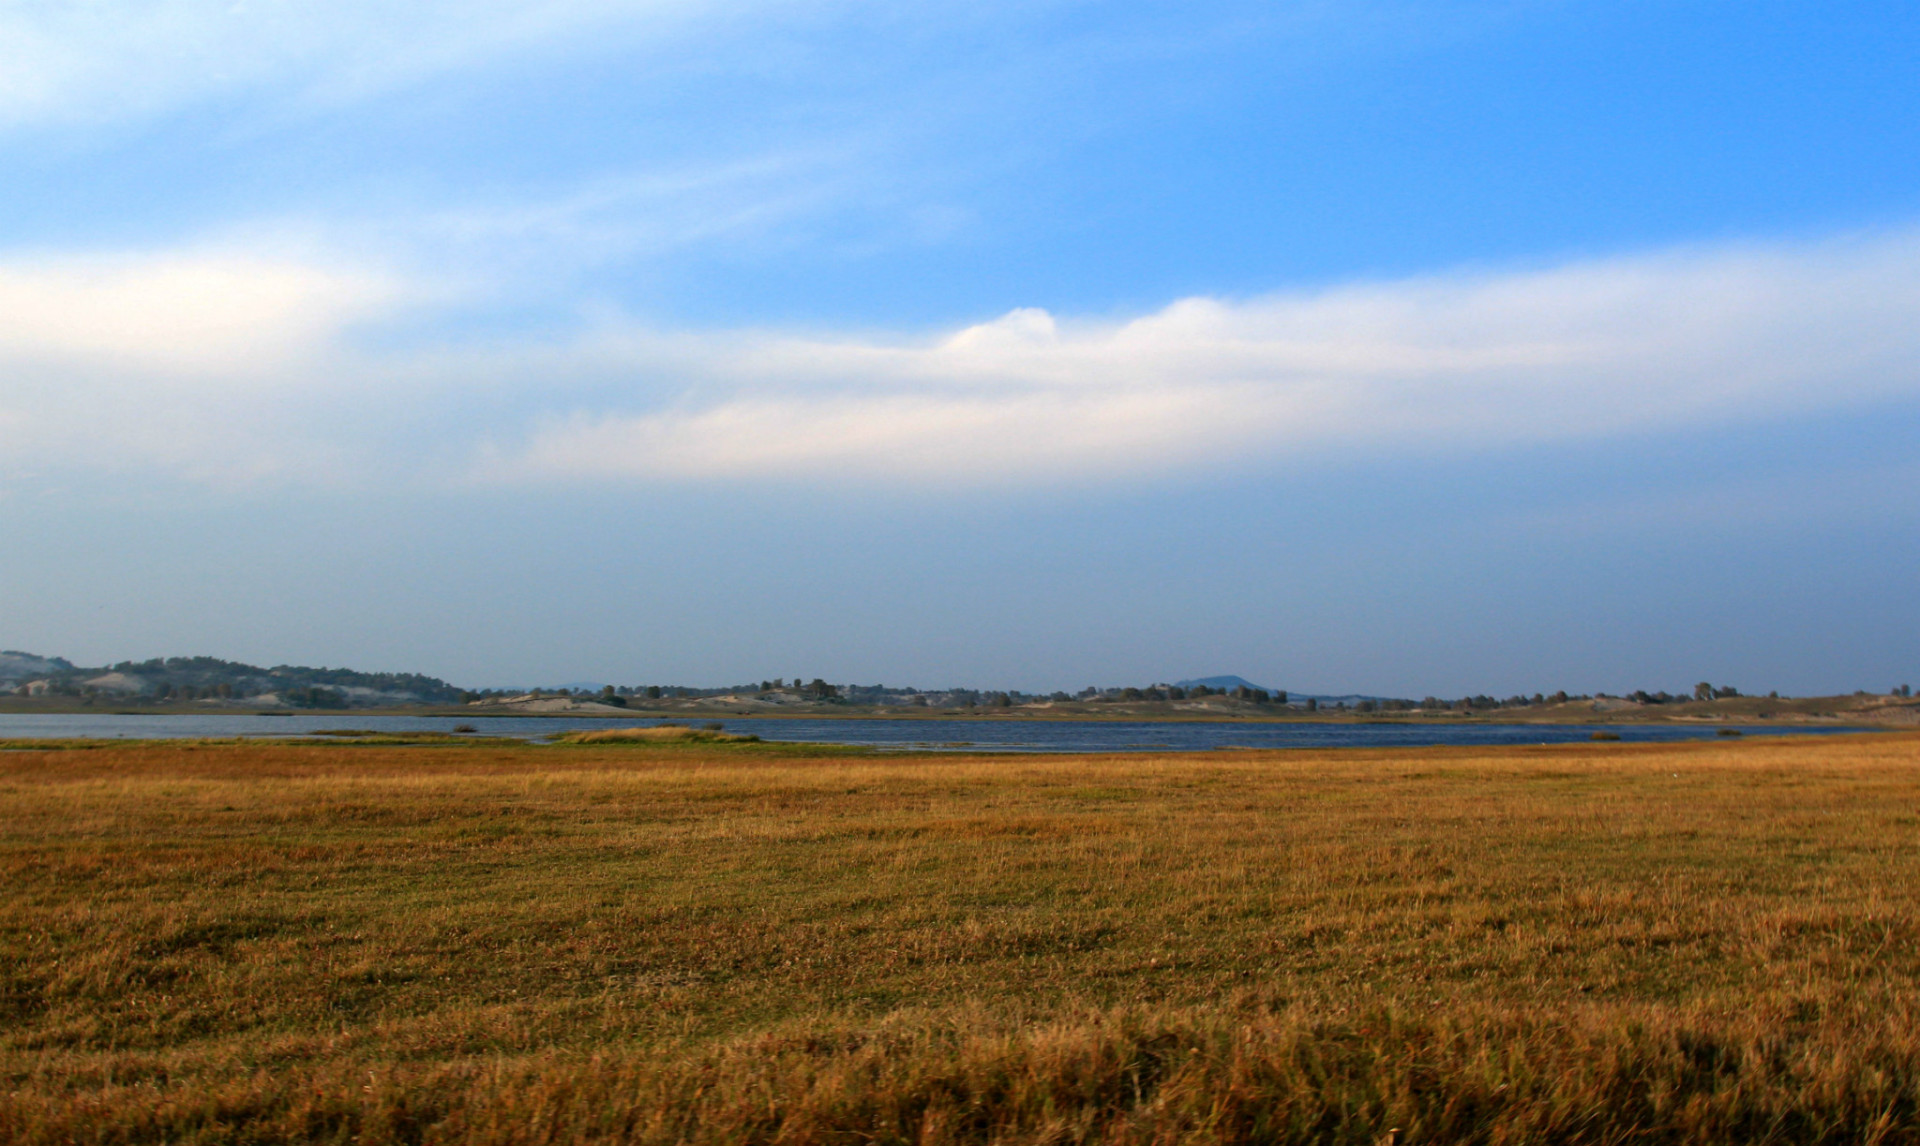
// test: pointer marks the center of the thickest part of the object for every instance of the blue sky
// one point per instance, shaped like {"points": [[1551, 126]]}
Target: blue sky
{"points": [[1388, 347]]}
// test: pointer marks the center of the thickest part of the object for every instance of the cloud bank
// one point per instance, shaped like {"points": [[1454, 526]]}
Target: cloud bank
{"points": [[221, 367], [213, 365], [1439, 364]]}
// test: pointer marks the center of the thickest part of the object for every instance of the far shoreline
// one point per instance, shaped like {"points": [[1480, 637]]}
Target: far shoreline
{"points": [[1829, 712]]}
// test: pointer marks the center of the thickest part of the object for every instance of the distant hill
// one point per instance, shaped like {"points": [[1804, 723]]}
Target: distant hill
{"points": [[212, 679], [1221, 682], [1233, 682], [16, 665]]}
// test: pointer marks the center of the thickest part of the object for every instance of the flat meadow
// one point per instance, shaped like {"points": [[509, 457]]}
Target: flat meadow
{"points": [[492, 942]]}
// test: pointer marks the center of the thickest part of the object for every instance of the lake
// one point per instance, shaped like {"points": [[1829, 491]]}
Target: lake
{"points": [[976, 733]]}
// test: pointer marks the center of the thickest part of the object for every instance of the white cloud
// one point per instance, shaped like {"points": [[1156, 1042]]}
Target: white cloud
{"points": [[231, 367], [918, 437], [195, 315], [194, 362], [1445, 363]]}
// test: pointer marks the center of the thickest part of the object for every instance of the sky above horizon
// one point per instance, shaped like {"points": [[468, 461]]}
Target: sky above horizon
{"points": [[1394, 348]]}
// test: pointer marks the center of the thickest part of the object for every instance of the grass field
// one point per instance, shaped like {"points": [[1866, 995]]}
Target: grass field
{"points": [[660, 942]]}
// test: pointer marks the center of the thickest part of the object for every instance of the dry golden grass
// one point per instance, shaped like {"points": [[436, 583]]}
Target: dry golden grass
{"points": [[489, 942]]}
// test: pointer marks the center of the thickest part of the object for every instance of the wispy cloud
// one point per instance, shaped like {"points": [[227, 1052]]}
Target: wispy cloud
{"points": [[232, 368], [633, 218], [111, 59]]}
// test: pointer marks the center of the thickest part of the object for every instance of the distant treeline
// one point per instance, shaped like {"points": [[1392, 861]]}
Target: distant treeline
{"points": [[622, 695], [177, 679], [818, 691]]}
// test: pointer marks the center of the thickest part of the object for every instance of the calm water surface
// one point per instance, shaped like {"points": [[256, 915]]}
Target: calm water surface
{"points": [[981, 733]]}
